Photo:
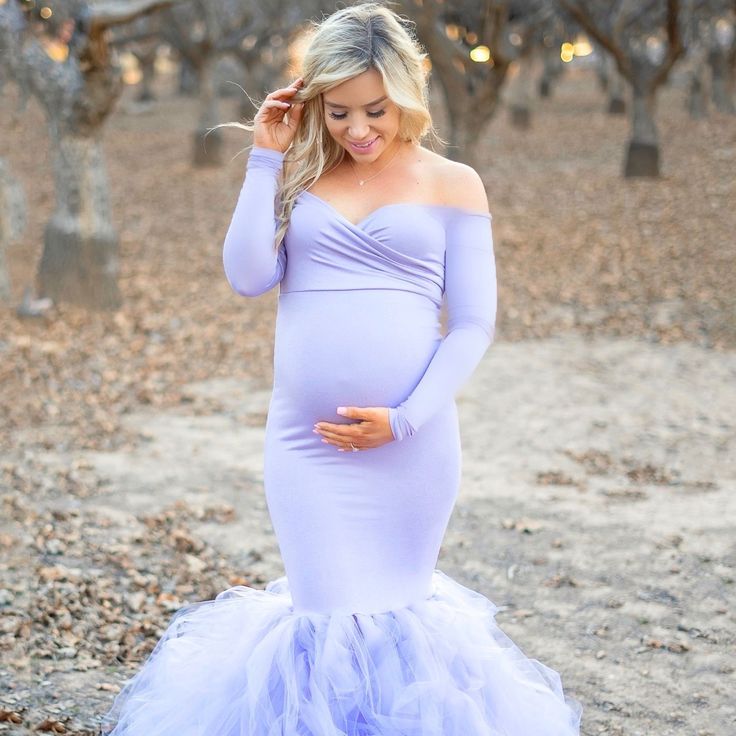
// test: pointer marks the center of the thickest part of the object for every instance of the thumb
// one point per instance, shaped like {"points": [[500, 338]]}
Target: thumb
{"points": [[295, 114], [349, 411]]}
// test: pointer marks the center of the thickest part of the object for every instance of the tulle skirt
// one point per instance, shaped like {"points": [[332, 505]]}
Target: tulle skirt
{"points": [[248, 664]]}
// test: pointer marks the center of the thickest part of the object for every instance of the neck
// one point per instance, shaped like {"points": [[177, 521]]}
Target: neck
{"points": [[366, 171]]}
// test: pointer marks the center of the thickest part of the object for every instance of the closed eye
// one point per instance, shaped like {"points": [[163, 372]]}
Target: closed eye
{"points": [[341, 116]]}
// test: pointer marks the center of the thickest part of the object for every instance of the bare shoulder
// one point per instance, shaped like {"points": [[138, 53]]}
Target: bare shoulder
{"points": [[456, 183]]}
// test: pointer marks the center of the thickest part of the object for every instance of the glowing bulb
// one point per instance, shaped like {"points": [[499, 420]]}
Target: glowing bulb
{"points": [[582, 47], [480, 54], [452, 32]]}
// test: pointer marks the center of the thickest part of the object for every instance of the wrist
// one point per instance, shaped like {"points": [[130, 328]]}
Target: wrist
{"points": [[401, 427], [266, 147], [265, 158]]}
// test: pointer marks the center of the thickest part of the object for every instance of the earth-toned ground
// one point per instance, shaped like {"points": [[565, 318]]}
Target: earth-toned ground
{"points": [[597, 507]]}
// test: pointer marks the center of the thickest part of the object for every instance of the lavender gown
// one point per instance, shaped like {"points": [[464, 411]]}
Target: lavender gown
{"points": [[363, 636]]}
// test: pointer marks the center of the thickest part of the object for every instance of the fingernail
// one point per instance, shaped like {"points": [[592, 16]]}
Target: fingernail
{"points": [[316, 431], [341, 410]]}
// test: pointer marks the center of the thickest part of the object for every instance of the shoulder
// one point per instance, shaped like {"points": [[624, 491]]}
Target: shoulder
{"points": [[456, 184], [461, 186]]}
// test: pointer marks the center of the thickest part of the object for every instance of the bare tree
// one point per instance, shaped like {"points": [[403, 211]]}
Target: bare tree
{"points": [[695, 62], [142, 38], [254, 32], [520, 88], [12, 221], [536, 33], [450, 31], [644, 39], [68, 67], [721, 37], [615, 84], [552, 67]]}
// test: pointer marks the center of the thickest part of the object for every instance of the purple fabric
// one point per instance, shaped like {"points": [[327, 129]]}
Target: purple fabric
{"points": [[363, 635], [429, 250]]}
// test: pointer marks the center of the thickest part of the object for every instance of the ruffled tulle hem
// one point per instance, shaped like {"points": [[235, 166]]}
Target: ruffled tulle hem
{"points": [[247, 664]]}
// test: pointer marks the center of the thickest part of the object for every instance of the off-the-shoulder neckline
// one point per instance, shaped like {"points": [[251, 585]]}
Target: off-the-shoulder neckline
{"points": [[279, 155], [373, 213]]}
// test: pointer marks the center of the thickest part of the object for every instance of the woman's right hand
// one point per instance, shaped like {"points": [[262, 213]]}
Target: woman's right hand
{"points": [[270, 129]]}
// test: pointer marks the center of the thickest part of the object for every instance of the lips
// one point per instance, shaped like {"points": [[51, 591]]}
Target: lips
{"points": [[363, 147]]}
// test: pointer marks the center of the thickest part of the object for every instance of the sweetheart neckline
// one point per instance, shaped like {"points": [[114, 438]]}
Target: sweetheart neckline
{"points": [[393, 204]]}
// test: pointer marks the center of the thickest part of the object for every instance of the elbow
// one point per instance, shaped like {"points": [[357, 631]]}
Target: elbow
{"points": [[483, 331], [245, 280], [245, 287]]}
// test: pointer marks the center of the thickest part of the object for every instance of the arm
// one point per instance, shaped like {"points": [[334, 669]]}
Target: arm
{"points": [[252, 264], [470, 290]]}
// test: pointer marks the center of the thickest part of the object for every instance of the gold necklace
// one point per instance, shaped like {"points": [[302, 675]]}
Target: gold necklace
{"points": [[363, 181]]}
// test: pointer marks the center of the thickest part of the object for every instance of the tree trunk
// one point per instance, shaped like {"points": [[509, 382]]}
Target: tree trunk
{"points": [[12, 221], [463, 138], [207, 147], [147, 63], [616, 88], [520, 91], [80, 256], [696, 97], [696, 101], [642, 157], [551, 70], [721, 80], [602, 70], [188, 80], [471, 89]]}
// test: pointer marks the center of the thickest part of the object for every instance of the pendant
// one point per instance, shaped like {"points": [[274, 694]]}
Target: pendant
{"points": [[361, 183]]}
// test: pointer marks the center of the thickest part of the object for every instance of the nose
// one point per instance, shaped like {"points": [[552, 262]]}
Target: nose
{"points": [[358, 132]]}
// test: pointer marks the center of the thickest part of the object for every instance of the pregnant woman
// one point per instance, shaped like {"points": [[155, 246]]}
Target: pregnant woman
{"points": [[365, 232]]}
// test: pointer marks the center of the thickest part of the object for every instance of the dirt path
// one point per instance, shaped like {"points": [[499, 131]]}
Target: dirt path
{"points": [[597, 510]]}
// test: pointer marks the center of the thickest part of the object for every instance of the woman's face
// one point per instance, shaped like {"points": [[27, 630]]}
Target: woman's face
{"points": [[358, 111]]}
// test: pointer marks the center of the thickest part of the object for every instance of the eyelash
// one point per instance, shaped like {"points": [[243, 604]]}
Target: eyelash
{"points": [[378, 114]]}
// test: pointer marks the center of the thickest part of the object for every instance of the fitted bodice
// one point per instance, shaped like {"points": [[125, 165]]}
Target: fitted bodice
{"points": [[434, 251], [397, 246]]}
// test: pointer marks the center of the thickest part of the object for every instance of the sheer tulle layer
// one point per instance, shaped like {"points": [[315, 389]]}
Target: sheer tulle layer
{"points": [[247, 664]]}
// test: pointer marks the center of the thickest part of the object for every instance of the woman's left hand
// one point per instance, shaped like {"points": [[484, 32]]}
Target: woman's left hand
{"points": [[372, 429]]}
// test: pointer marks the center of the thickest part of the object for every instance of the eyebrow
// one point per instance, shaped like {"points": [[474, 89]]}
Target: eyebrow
{"points": [[375, 102]]}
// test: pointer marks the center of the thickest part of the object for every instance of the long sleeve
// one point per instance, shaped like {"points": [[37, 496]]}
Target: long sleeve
{"points": [[471, 294], [252, 264]]}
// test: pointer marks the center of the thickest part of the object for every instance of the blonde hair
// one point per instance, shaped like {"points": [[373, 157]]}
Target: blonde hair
{"points": [[347, 43]]}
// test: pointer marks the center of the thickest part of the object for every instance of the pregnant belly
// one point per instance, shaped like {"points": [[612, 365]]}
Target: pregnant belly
{"points": [[363, 347]]}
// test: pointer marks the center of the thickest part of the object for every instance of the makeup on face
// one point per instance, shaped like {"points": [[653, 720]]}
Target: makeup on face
{"points": [[360, 116]]}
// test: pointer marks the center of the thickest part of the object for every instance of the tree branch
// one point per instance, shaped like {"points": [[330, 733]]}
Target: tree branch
{"points": [[588, 23], [675, 47], [103, 15]]}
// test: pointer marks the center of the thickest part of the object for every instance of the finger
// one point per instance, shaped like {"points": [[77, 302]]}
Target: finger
{"points": [[340, 444], [295, 114], [339, 428], [273, 110], [282, 92], [353, 412], [348, 446], [277, 104], [338, 436]]}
